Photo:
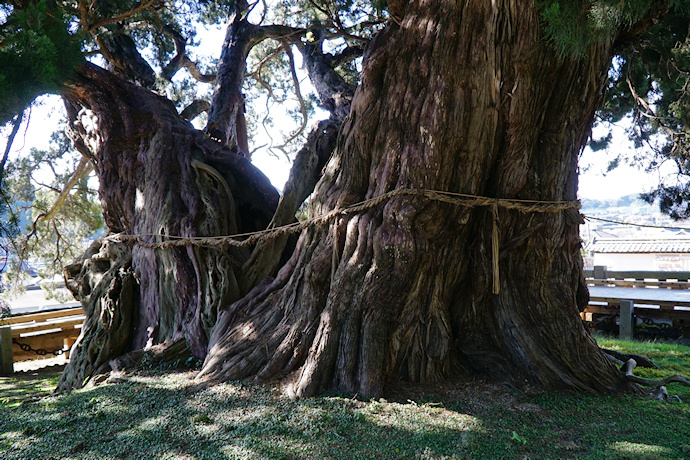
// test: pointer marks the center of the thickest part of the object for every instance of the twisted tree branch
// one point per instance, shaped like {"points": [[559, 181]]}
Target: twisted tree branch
{"points": [[182, 60]]}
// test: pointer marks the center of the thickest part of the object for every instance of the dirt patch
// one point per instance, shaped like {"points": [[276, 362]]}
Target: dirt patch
{"points": [[473, 395]]}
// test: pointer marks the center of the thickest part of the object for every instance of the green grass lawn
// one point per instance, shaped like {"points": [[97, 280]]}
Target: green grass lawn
{"points": [[157, 414]]}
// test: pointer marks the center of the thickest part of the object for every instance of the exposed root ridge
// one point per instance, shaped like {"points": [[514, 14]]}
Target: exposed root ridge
{"points": [[658, 386], [655, 384], [622, 358]]}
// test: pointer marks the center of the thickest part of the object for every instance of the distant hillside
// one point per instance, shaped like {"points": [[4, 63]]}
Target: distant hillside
{"points": [[622, 202]]}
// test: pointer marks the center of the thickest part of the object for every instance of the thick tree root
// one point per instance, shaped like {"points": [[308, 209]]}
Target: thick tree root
{"points": [[622, 358], [174, 353], [658, 386]]}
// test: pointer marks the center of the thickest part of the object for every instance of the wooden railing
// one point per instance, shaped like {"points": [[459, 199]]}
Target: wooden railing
{"points": [[677, 278], [26, 337], [661, 295]]}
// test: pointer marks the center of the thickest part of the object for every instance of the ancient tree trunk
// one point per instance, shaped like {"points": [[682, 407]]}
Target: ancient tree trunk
{"points": [[336, 96], [226, 121], [462, 97], [159, 176]]}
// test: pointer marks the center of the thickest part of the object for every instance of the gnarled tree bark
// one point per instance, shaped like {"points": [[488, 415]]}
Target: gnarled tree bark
{"points": [[336, 96], [159, 176], [459, 97], [226, 121]]}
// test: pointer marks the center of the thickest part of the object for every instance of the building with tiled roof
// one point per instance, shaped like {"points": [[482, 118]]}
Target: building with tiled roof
{"points": [[668, 254]]}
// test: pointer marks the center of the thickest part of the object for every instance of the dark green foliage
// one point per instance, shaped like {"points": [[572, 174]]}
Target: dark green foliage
{"points": [[9, 227], [651, 82], [673, 200], [213, 11], [573, 25], [38, 53], [601, 143]]}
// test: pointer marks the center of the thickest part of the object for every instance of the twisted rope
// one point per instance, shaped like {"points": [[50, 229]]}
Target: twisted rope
{"points": [[248, 239]]}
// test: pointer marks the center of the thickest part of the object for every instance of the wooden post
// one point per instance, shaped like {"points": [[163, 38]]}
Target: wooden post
{"points": [[600, 272], [67, 345], [6, 359], [626, 319]]}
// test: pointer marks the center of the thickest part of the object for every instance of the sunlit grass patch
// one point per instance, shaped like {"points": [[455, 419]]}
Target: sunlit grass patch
{"points": [[672, 359], [18, 389], [636, 450], [413, 416], [663, 351]]}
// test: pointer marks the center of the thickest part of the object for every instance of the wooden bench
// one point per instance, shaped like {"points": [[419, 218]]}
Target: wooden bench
{"points": [[52, 332], [646, 294]]}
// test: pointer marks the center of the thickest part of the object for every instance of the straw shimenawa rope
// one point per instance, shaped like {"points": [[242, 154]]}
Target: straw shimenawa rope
{"points": [[247, 239]]}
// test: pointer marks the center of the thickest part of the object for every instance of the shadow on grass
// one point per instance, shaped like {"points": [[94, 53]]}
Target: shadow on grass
{"points": [[25, 386], [154, 417], [159, 415], [550, 425]]}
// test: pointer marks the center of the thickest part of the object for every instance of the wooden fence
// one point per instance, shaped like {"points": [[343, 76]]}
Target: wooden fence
{"points": [[658, 295], [30, 336], [602, 274]]}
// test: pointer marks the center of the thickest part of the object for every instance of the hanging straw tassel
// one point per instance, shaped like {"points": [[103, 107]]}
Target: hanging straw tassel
{"points": [[494, 249], [335, 258]]}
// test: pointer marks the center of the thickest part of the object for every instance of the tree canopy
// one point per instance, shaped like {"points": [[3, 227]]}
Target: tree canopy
{"points": [[155, 44]]}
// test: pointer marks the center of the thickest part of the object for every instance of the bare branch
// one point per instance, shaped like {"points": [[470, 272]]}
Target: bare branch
{"points": [[194, 71], [348, 54], [334, 22], [182, 60], [648, 112], [342, 34], [333, 17], [58, 240], [658, 383], [83, 16], [256, 74], [226, 122], [630, 365], [298, 93], [305, 172], [83, 168], [295, 34], [125, 59], [622, 357], [10, 139], [334, 92], [195, 109], [321, 9], [175, 63], [281, 33], [265, 12]]}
